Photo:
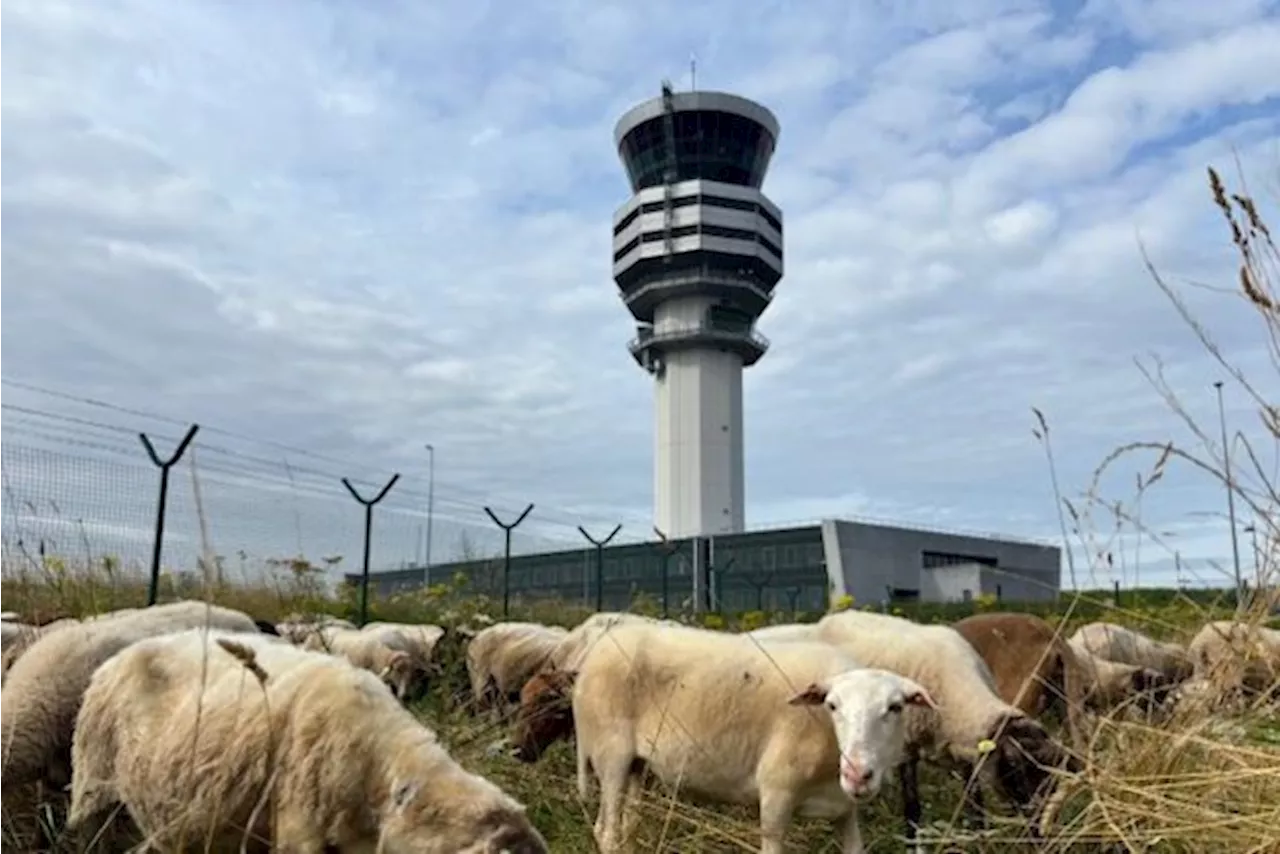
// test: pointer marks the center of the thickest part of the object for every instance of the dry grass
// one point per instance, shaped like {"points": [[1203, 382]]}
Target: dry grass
{"points": [[1201, 780]]}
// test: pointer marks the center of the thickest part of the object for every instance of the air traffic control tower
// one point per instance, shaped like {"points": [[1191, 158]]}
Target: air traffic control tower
{"points": [[697, 251]]}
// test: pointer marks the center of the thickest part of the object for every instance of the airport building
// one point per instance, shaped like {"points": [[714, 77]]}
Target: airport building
{"points": [[697, 254]]}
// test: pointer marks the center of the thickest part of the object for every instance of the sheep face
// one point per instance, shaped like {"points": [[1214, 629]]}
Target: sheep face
{"points": [[545, 714], [417, 824], [866, 707], [401, 674], [1024, 758]]}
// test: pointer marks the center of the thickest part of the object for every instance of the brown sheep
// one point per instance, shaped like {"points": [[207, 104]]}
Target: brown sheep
{"points": [[1035, 669]]}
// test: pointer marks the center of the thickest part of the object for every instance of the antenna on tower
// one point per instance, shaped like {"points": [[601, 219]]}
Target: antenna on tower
{"points": [[693, 72]]}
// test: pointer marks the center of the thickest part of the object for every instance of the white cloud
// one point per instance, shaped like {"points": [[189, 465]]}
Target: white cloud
{"points": [[360, 228]]}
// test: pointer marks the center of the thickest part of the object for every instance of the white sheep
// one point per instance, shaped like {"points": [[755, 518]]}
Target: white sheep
{"points": [[43, 689], [389, 656], [1109, 685], [503, 657], [1128, 646], [424, 645], [726, 718], [298, 627], [215, 737], [21, 641], [1236, 657], [569, 652], [974, 721]]}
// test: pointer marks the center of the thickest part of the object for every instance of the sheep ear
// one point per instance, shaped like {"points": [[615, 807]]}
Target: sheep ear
{"points": [[814, 695], [919, 697], [403, 794]]}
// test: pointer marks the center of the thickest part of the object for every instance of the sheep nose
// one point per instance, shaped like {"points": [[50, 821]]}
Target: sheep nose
{"points": [[856, 778]]}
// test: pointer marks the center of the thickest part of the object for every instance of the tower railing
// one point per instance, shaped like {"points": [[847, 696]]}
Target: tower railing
{"points": [[704, 330]]}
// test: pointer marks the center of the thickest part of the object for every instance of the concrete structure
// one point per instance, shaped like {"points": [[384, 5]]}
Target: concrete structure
{"points": [[800, 569], [697, 251]]}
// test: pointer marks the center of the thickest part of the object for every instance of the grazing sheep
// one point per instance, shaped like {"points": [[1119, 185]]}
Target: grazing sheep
{"points": [[1127, 646], [502, 658], [21, 641], [574, 645], [725, 719], [390, 657], [973, 715], [298, 627], [214, 737], [1034, 668], [1238, 658], [43, 689], [785, 632], [1110, 685]]}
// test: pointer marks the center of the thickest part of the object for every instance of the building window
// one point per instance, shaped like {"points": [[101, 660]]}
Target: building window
{"points": [[934, 560]]}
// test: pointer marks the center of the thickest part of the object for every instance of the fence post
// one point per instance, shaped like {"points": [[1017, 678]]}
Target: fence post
{"points": [[793, 595], [668, 550], [506, 561], [153, 589], [760, 586], [600, 544], [368, 538], [715, 576]]}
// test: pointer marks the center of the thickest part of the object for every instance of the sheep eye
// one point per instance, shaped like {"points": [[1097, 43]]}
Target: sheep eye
{"points": [[831, 705], [895, 708]]}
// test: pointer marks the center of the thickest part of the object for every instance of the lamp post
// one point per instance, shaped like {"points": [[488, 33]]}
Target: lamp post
{"points": [[1231, 494], [431, 500]]}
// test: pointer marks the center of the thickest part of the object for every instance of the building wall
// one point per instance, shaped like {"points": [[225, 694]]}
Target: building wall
{"points": [[865, 560], [801, 568]]}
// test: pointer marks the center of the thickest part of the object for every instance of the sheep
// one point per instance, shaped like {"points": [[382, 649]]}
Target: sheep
{"points": [[298, 627], [1034, 668], [1238, 657], [723, 718], [43, 690], [973, 715], [312, 754], [389, 656], [1127, 646], [422, 642], [18, 643], [784, 631], [502, 658], [579, 640], [1110, 685]]}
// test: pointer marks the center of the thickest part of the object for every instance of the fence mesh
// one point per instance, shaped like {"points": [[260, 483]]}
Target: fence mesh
{"points": [[90, 493]]}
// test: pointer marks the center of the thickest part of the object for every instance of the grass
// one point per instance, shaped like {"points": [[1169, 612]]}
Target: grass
{"points": [[1200, 781]]}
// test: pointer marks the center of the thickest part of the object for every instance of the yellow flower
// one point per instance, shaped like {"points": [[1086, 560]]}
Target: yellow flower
{"points": [[986, 746]]}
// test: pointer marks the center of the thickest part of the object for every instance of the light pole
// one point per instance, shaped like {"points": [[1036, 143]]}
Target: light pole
{"points": [[431, 500], [1231, 494]]}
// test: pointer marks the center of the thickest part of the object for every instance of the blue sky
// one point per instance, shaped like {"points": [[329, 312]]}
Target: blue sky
{"points": [[357, 227]]}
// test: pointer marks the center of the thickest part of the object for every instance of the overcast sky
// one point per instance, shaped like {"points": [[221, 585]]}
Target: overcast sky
{"points": [[357, 227]]}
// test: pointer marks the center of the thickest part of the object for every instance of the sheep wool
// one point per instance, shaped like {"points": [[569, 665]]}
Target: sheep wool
{"points": [[310, 753], [1237, 656], [1127, 646], [940, 659], [569, 652], [719, 716], [389, 656], [43, 689], [502, 657]]}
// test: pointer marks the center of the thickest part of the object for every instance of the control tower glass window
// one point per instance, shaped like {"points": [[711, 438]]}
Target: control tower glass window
{"points": [[711, 145]]}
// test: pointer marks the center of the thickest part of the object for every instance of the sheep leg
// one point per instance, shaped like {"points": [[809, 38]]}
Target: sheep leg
{"points": [[851, 834], [910, 781], [614, 775], [776, 807]]}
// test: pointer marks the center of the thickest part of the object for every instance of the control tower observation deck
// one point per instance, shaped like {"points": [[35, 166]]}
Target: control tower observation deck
{"points": [[697, 251]]}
